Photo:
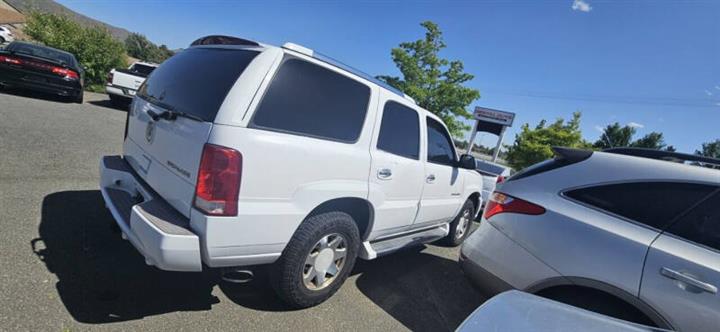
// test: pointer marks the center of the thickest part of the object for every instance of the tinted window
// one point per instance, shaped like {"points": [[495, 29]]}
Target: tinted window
{"points": [[701, 224], [654, 204], [142, 70], [307, 99], [196, 80], [440, 147], [400, 131], [490, 168], [42, 52]]}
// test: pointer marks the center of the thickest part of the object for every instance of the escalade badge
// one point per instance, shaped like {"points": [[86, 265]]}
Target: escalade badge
{"points": [[150, 131]]}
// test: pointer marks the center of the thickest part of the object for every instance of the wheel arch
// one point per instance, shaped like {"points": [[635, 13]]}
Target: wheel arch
{"points": [[361, 210], [585, 284]]}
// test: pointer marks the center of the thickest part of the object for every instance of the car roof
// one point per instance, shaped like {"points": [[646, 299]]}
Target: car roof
{"points": [[43, 46]]}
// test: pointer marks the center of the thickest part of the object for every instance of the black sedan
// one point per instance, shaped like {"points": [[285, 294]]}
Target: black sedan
{"points": [[41, 68]]}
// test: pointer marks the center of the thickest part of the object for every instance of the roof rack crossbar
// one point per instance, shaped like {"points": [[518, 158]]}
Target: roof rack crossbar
{"points": [[664, 155]]}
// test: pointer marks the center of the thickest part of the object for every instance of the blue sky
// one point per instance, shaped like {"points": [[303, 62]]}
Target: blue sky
{"points": [[652, 64]]}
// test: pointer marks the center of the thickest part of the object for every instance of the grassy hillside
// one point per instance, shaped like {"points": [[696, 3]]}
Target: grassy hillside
{"points": [[52, 7]]}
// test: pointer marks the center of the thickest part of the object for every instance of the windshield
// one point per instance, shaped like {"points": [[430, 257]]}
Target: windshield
{"points": [[42, 52], [196, 81]]}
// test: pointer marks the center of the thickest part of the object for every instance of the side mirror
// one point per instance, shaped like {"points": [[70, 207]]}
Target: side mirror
{"points": [[467, 162]]}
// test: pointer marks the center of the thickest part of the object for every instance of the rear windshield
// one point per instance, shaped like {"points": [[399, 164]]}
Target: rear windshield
{"points": [[142, 70], [42, 52], [490, 168], [196, 80]]}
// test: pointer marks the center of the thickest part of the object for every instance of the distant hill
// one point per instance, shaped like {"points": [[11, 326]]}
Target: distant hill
{"points": [[52, 7]]}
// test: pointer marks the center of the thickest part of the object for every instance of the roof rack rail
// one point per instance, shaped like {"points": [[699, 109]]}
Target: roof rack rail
{"points": [[223, 40], [324, 58], [665, 155]]}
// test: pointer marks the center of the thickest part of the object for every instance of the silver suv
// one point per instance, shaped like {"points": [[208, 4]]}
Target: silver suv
{"points": [[625, 232]]}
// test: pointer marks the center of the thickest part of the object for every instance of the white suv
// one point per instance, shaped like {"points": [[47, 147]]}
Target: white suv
{"points": [[6, 35], [240, 154]]}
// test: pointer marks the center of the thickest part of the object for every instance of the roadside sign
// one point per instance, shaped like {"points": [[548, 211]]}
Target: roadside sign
{"points": [[494, 116]]}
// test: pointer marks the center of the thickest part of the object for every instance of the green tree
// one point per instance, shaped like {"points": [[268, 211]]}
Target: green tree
{"points": [[710, 149], [435, 83], [138, 46], [653, 140], [615, 135], [94, 47], [533, 145]]}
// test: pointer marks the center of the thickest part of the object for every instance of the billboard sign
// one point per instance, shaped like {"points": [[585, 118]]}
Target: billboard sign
{"points": [[494, 116]]}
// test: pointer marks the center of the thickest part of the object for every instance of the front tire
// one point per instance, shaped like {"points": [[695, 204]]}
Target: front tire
{"points": [[460, 227], [317, 260]]}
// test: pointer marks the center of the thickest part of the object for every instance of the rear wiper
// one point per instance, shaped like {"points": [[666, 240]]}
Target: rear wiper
{"points": [[171, 115]]}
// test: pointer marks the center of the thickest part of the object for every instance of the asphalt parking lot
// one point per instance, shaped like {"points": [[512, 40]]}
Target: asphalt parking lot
{"points": [[65, 268]]}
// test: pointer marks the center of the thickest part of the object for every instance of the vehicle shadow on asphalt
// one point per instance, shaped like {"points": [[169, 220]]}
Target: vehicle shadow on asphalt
{"points": [[34, 95], [422, 291], [107, 103], [103, 279]]}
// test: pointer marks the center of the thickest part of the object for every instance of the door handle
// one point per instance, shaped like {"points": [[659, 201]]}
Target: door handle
{"points": [[687, 279], [430, 178], [384, 173]]}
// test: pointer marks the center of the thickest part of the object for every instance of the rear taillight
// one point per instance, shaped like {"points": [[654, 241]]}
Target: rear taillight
{"points": [[10, 60], [64, 72], [501, 203], [500, 179], [218, 183], [110, 77]]}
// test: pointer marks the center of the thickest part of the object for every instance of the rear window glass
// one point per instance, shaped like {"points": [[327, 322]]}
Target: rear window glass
{"points": [[311, 100], [142, 70], [42, 52], [489, 168], [196, 80], [654, 204]]}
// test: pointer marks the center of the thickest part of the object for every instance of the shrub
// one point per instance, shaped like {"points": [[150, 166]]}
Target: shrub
{"points": [[94, 47]]}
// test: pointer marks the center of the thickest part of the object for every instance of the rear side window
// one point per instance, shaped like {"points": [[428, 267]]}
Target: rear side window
{"points": [[196, 80], [702, 224], [440, 147], [311, 100], [654, 204], [400, 131]]}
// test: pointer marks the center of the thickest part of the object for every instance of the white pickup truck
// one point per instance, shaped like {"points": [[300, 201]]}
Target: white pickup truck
{"points": [[122, 84], [242, 154]]}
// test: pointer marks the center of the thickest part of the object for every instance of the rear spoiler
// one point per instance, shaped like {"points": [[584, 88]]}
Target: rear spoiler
{"points": [[571, 155], [223, 40]]}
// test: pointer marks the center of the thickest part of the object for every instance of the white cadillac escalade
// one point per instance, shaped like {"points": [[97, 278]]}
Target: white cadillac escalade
{"points": [[239, 154]]}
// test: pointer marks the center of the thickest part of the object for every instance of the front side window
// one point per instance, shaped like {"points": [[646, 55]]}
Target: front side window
{"points": [[702, 224], [654, 204], [400, 131], [440, 147], [311, 100]]}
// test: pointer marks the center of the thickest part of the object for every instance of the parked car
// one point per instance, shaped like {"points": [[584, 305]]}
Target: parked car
{"points": [[244, 154], [6, 35], [492, 174], [41, 68], [122, 84], [522, 312], [626, 232]]}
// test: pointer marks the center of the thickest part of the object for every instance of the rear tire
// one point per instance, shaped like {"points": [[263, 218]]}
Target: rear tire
{"points": [[310, 270], [79, 98], [460, 227]]}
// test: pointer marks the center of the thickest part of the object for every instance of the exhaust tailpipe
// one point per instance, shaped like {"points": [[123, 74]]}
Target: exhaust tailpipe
{"points": [[237, 276]]}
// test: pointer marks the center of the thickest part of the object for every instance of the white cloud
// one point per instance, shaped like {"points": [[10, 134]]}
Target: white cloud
{"points": [[635, 125], [709, 93], [600, 128], [717, 87], [581, 5]]}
